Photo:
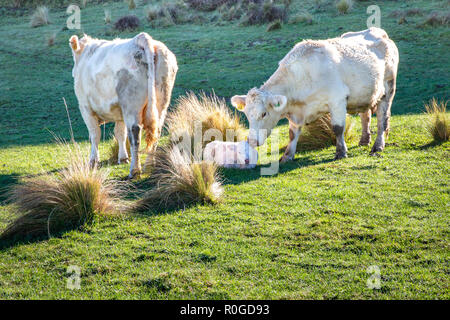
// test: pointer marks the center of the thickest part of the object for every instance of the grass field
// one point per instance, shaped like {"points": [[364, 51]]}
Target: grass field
{"points": [[309, 232]]}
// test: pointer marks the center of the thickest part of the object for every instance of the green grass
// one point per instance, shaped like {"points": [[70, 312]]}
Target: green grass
{"points": [[310, 231]]}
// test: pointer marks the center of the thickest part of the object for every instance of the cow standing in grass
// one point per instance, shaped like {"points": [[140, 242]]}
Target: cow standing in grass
{"points": [[355, 73], [128, 81]]}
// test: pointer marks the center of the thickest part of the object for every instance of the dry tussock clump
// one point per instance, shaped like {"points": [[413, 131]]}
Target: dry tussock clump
{"points": [[40, 17], [319, 134], [131, 5], [207, 5], [436, 19], [107, 16], [206, 112], [439, 120], [180, 181], [130, 22], [344, 6], [51, 204], [406, 13], [302, 17], [168, 14]]}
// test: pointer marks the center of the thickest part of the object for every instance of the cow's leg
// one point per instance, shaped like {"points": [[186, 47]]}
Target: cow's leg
{"points": [[383, 116], [338, 111], [120, 132], [294, 134], [365, 124], [134, 136], [93, 126]]}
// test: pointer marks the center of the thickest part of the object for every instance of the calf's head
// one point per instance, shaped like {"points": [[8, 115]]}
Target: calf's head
{"points": [[263, 111]]}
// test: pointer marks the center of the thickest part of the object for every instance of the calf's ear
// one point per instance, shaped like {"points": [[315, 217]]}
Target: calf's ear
{"points": [[238, 102], [277, 102], [74, 43]]}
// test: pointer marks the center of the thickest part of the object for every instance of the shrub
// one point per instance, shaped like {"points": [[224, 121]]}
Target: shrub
{"points": [[439, 120], [40, 17], [180, 181], [72, 198], [319, 134], [344, 6], [276, 25], [206, 112], [130, 22]]}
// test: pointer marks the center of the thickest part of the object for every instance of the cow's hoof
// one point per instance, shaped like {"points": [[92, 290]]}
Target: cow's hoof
{"points": [[340, 155], [375, 149], [124, 160], [134, 175], [364, 141], [286, 158], [93, 164]]}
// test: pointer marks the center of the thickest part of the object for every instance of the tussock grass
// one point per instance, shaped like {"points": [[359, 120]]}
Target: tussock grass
{"points": [[168, 14], [206, 112], [344, 6], [130, 22], [406, 13], [40, 17], [276, 25], [439, 120], [436, 19], [50, 204], [51, 39], [131, 5], [302, 17], [107, 17], [319, 134], [207, 5], [180, 181]]}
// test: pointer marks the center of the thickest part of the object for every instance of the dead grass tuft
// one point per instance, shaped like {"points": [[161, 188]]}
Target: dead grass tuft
{"points": [[40, 17], [50, 204], [344, 6], [319, 134], [439, 120], [180, 181]]}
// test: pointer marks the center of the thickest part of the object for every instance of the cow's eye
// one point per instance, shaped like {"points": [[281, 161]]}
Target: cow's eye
{"points": [[263, 114]]}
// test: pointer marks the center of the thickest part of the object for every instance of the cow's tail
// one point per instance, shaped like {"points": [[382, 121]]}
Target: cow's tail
{"points": [[149, 114]]}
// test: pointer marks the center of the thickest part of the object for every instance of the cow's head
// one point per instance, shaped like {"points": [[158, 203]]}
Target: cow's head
{"points": [[263, 111]]}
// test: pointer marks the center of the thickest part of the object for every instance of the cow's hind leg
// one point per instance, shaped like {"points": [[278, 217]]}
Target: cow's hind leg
{"points": [[365, 125], [134, 136], [120, 132], [383, 116], [93, 126], [338, 111]]}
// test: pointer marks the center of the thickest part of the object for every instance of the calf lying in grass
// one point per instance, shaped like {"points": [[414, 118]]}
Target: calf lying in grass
{"points": [[239, 155]]}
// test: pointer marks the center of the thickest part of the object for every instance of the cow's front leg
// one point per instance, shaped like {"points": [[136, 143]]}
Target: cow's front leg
{"points": [[94, 135], [338, 111], [120, 132], [294, 134]]}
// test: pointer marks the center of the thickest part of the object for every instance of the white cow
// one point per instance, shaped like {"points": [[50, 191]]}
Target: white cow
{"points": [[355, 73], [128, 81]]}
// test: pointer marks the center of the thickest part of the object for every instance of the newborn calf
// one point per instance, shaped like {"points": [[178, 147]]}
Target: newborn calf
{"points": [[238, 155]]}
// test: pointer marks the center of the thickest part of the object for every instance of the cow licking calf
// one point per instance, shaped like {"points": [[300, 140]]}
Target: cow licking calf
{"points": [[127, 81], [355, 73]]}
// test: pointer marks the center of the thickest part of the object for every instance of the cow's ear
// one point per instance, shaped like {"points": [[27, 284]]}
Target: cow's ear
{"points": [[278, 102], [74, 43], [238, 102]]}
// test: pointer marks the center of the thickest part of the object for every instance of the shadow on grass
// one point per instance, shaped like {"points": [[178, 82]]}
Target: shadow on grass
{"points": [[431, 144]]}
